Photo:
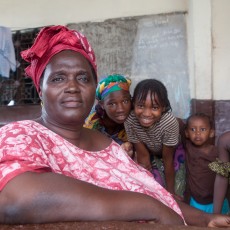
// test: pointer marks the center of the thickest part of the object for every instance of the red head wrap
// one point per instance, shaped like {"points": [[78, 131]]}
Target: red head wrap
{"points": [[50, 41]]}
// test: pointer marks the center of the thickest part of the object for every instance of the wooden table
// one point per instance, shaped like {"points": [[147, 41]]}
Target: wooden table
{"points": [[109, 225]]}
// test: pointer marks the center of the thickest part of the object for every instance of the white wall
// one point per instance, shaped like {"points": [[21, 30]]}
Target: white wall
{"points": [[208, 30], [200, 49], [221, 49], [30, 13]]}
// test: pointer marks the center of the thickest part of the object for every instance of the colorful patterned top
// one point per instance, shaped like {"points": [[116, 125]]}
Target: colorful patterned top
{"points": [[221, 168], [29, 146]]}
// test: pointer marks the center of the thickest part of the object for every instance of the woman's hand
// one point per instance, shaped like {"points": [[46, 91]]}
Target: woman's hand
{"points": [[219, 221], [196, 217]]}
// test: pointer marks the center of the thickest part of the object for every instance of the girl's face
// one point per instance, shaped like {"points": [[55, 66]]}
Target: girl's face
{"points": [[117, 106], [199, 131], [148, 112]]}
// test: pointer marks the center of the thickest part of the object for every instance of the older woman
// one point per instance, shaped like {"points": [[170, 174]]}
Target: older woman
{"points": [[53, 169]]}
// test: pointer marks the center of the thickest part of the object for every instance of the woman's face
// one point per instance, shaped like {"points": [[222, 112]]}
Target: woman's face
{"points": [[148, 112], [68, 88], [117, 106]]}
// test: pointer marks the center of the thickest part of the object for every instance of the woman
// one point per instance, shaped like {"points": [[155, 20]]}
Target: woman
{"points": [[53, 169], [112, 108]]}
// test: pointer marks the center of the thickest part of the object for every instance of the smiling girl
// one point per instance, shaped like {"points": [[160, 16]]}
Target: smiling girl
{"points": [[154, 132], [112, 108]]}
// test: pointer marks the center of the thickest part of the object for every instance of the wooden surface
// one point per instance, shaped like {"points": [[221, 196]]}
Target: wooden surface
{"points": [[100, 225], [19, 112]]}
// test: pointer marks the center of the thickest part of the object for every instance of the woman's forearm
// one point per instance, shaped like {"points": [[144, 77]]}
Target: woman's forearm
{"points": [[194, 216], [50, 197]]}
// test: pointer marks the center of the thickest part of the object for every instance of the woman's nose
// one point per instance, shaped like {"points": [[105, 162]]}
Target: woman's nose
{"points": [[72, 86]]}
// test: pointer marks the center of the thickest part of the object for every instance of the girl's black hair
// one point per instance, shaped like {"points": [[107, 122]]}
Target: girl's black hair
{"points": [[200, 115], [155, 87]]}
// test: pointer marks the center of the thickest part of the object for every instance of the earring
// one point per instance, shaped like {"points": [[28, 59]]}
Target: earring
{"points": [[41, 103]]}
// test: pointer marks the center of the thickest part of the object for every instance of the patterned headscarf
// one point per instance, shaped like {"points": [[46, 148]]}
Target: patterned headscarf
{"points": [[110, 84], [50, 41]]}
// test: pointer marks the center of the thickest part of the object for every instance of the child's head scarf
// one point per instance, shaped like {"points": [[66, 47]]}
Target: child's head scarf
{"points": [[50, 41], [110, 84]]}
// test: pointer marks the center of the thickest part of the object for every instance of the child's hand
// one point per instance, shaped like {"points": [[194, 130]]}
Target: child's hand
{"points": [[128, 147], [147, 166], [177, 197]]}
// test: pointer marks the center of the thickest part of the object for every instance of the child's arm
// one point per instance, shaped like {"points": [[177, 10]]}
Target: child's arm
{"points": [[128, 147], [221, 181], [167, 155], [143, 157]]}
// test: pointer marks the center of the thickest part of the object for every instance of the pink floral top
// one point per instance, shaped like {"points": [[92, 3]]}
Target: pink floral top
{"points": [[29, 146]]}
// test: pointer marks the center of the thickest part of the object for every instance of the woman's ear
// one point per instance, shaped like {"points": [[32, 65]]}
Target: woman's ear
{"points": [[40, 95]]}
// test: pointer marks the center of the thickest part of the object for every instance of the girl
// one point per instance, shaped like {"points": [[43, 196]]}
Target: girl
{"points": [[154, 132], [112, 109]]}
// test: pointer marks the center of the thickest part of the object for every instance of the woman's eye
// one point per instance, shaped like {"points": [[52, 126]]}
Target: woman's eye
{"points": [[193, 129], [83, 77], [203, 129], [57, 79]]}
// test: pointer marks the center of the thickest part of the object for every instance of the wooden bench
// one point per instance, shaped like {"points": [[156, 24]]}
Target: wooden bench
{"points": [[20, 112]]}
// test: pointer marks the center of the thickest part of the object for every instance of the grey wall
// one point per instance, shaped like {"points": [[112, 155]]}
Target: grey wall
{"points": [[143, 47]]}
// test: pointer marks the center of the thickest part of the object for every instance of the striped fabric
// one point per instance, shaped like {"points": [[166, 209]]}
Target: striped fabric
{"points": [[165, 131]]}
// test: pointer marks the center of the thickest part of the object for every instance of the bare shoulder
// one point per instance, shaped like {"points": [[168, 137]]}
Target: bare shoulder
{"points": [[95, 140]]}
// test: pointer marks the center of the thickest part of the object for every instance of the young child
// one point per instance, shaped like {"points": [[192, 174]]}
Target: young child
{"points": [[222, 169], [154, 132], [112, 108], [199, 152]]}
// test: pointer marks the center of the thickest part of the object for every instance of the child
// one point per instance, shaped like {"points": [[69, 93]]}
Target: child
{"points": [[222, 168], [154, 132], [199, 152], [112, 108]]}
